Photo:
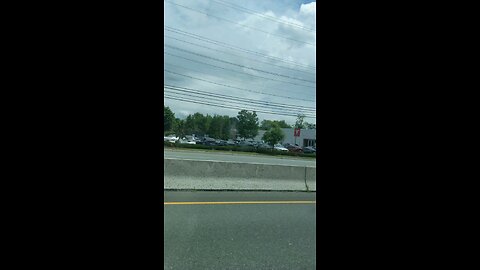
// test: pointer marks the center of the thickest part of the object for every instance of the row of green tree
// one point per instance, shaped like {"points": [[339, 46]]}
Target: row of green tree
{"points": [[245, 125]]}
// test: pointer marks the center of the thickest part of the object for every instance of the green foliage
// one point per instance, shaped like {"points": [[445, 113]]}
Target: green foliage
{"points": [[310, 125], [219, 127], [233, 122], [225, 128], [274, 135], [168, 119], [216, 126], [267, 124], [196, 124], [283, 124], [299, 123], [247, 124], [179, 127]]}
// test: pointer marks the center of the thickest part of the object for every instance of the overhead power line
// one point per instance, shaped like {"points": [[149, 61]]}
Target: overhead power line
{"points": [[226, 45], [243, 57], [236, 71], [204, 72], [236, 103], [229, 107], [238, 65], [244, 103], [239, 99], [226, 103], [242, 25], [236, 79], [246, 10], [234, 87]]}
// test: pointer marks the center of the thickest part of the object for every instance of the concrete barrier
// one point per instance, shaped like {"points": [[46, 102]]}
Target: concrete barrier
{"points": [[311, 178], [213, 175]]}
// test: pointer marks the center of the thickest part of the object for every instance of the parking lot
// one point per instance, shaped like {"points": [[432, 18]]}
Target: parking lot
{"points": [[248, 145]]}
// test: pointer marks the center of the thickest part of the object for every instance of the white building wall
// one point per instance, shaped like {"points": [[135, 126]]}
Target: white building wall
{"points": [[310, 134]]}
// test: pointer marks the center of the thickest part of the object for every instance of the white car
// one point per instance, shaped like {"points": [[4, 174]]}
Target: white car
{"points": [[280, 147], [187, 142], [170, 139]]}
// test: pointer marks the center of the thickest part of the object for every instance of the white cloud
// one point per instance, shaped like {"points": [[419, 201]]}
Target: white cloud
{"points": [[309, 9], [249, 39]]}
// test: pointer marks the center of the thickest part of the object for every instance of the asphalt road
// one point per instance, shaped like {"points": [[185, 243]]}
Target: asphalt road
{"points": [[239, 157], [239, 230]]}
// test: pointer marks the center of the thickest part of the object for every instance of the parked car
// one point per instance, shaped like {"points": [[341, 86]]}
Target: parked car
{"points": [[264, 146], [209, 141], [245, 143], [295, 149], [171, 139], [257, 143], [230, 143], [280, 147], [185, 141], [221, 142], [309, 149], [287, 145]]}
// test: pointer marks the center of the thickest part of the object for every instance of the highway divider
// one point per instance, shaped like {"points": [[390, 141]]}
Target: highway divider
{"points": [[311, 178], [181, 174]]}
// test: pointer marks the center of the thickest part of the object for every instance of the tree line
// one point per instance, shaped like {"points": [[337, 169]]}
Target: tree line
{"points": [[245, 125]]}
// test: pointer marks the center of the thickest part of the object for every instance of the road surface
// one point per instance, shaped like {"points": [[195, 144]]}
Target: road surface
{"points": [[239, 157], [239, 230]]}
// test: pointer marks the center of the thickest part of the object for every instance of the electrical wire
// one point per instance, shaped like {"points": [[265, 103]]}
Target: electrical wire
{"points": [[238, 65], [236, 71], [238, 99], [237, 80], [242, 25], [246, 10], [240, 106], [228, 107], [251, 59], [219, 98], [226, 45], [230, 86]]}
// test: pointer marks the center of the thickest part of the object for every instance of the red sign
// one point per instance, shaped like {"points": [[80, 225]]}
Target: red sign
{"points": [[296, 132]]}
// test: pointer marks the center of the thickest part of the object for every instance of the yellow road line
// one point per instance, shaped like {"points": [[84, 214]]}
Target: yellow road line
{"points": [[245, 202]]}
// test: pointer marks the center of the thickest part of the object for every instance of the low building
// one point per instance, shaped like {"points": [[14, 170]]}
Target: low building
{"points": [[308, 137]]}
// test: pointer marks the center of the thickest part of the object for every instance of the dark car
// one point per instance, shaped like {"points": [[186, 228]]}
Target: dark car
{"points": [[209, 142], [221, 143], [294, 148], [286, 145], [309, 149], [245, 143]]}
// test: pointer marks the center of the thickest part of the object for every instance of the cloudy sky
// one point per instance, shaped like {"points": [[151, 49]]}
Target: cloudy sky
{"points": [[259, 55]]}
